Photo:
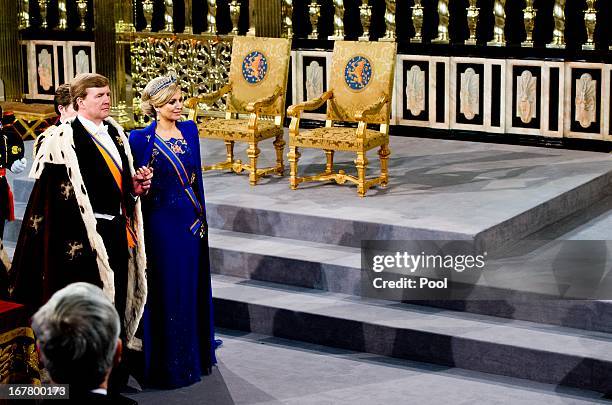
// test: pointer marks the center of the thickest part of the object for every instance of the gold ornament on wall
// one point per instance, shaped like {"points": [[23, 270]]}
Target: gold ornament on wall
{"points": [[211, 17], [499, 26], [82, 8], [473, 13], [529, 16], [314, 12], [24, 14], [235, 16], [338, 20], [42, 4], [153, 55], [147, 9], [559, 28], [188, 17], [417, 22], [168, 13], [443, 21], [365, 14], [389, 21], [590, 21], [63, 18], [287, 10]]}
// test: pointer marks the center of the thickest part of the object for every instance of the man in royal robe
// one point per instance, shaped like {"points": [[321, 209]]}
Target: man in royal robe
{"points": [[83, 221]]}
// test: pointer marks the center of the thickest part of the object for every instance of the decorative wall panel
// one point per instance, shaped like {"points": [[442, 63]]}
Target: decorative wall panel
{"points": [[587, 100], [311, 72], [534, 97], [51, 63], [422, 91], [477, 94]]}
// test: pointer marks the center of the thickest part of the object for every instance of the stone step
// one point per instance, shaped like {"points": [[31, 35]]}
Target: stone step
{"points": [[338, 269], [536, 352]]}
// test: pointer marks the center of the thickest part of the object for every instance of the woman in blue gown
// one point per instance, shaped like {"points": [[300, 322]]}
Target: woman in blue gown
{"points": [[178, 340]]}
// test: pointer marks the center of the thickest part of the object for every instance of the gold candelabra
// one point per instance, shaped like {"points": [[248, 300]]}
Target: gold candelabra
{"points": [[473, 13], [314, 12], [389, 21], [24, 14], [168, 13], [63, 17], [590, 21], [529, 16], [417, 22], [365, 14], [499, 12], [443, 20], [43, 13], [287, 10], [147, 8], [211, 17], [559, 29], [235, 15], [338, 20], [82, 9]]}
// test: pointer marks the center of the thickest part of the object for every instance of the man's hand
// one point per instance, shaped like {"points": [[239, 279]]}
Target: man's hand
{"points": [[19, 165], [142, 180]]}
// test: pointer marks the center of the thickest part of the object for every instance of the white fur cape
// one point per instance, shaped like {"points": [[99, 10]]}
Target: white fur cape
{"points": [[58, 148]]}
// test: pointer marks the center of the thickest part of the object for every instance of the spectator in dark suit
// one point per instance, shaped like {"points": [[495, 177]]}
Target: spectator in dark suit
{"points": [[77, 332]]}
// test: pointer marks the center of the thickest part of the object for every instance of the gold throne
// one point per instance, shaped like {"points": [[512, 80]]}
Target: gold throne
{"points": [[360, 91], [257, 87]]}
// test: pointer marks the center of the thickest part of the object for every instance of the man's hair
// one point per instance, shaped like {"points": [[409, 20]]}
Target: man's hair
{"points": [[62, 97], [84, 81], [77, 332]]}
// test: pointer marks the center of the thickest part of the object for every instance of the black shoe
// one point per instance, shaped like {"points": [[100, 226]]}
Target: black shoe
{"points": [[217, 343]]}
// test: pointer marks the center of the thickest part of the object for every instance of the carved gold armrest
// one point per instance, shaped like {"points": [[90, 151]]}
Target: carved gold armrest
{"points": [[208, 98], [255, 106], [372, 109], [295, 110]]}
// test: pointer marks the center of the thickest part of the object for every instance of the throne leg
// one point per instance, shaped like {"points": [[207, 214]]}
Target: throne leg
{"points": [[253, 153], [329, 167], [362, 163], [384, 152], [229, 146], [293, 157], [279, 146]]}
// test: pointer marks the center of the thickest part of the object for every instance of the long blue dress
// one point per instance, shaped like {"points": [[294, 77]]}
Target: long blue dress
{"points": [[178, 323]]}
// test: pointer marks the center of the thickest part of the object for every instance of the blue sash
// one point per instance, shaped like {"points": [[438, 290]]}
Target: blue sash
{"points": [[197, 228]]}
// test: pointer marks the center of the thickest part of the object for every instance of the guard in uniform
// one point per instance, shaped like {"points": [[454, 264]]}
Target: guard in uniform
{"points": [[11, 157]]}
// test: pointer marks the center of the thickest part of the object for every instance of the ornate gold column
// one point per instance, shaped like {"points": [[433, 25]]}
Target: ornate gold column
{"points": [[10, 54], [268, 18], [125, 29]]}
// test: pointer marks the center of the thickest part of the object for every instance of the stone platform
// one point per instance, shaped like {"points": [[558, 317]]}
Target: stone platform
{"points": [[287, 263]]}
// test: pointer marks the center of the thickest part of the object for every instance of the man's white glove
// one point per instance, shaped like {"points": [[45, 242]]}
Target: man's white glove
{"points": [[19, 165]]}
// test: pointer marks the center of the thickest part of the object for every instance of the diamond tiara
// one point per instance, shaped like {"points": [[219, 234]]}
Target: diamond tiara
{"points": [[163, 82]]}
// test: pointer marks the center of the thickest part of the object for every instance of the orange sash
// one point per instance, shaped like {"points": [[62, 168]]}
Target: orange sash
{"points": [[113, 166]]}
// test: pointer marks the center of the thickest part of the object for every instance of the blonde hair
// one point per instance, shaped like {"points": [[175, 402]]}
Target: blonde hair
{"points": [[161, 96], [82, 82]]}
